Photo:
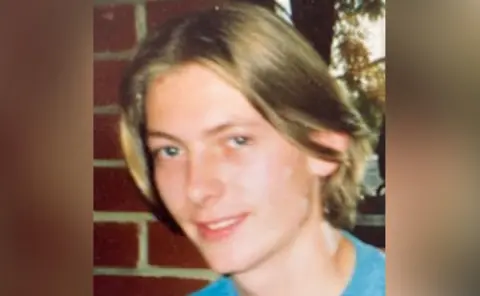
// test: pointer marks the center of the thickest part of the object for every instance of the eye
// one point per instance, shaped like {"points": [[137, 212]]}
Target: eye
{"points": [[238, 141], [167, 152]]}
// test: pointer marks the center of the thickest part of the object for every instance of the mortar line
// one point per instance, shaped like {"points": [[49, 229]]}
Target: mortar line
{"points": [[122, 217], [142, 245], [172, 272], [140, 21], [109, 163], [112, 56]]}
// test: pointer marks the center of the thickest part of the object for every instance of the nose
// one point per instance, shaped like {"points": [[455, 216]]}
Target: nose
{"points": [[204, 185]]}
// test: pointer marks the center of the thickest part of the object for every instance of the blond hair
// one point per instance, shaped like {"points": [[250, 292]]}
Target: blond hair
{"points": [[280, 74]]}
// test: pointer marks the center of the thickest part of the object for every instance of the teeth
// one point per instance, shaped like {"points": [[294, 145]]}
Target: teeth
{"points": [[222, 224]]}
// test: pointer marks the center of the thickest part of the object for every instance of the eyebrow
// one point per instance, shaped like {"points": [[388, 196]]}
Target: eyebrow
{"points": [[207, 133]]}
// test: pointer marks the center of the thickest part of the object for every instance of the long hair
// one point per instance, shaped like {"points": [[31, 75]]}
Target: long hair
{"points": [[280, 74]]}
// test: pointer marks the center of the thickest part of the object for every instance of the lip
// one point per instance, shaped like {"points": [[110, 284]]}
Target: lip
{"points": [[213, 230]]}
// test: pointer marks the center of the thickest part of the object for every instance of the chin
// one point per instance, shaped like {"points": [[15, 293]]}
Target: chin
{"points": [[224, 269], [228, 262]]}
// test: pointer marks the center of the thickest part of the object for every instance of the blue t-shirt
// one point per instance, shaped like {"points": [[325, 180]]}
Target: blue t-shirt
{"points": [[368, 278]]}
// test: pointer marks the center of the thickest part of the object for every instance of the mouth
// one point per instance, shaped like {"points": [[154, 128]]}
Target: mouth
{"points": [[220, 229]]}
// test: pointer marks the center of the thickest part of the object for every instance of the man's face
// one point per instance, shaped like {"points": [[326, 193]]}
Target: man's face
{"points": [[239, 190]]}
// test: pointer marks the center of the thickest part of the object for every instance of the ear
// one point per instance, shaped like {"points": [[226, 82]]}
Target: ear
{"points": [[334, 140]]}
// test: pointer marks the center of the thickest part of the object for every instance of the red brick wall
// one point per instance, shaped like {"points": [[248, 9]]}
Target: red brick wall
{"points": [[133, 254]]}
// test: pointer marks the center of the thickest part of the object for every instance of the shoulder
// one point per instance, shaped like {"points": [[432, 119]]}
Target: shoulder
{"points": [[369, 274], [221, 287]]}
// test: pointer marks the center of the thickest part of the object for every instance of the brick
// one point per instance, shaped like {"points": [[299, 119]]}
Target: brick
{"points": [[115, 244], [144, 286], [115, 190], [167, 249], [107, 77], [160, 11], [114, 27], [106, 142]]}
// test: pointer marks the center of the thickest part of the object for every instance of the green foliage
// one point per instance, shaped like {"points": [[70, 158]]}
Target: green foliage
{"points": [[363, 77], [373, 9]]}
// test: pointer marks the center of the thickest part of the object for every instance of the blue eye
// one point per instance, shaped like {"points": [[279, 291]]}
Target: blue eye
{"points": [[239, 141], [169, 151]]}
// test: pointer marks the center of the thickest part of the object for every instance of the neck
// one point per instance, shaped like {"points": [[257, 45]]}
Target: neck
{"points": [[311, 264]]}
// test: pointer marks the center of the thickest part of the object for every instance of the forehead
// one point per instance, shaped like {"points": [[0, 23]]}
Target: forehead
{"points": [[195, 96]]}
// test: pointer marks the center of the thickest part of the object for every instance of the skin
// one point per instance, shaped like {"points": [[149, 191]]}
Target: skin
{"points": [[215, 157]]}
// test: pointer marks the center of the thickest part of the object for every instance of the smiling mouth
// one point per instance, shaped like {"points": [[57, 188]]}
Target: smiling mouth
{"points": [[220, 229]]}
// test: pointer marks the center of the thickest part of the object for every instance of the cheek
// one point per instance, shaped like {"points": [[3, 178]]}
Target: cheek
{"points": [[294, 172], [274, 179], [295, 183], [297, 187], [171, 187]]}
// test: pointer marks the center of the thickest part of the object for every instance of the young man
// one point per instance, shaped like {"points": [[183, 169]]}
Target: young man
{"points": [[233, 124]]}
